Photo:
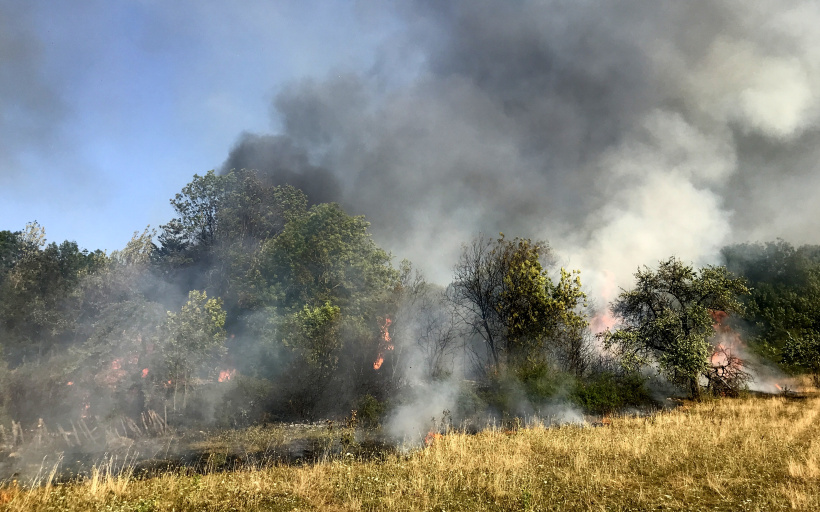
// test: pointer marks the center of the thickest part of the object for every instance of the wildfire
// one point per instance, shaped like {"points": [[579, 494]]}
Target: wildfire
{"points": [[69, 383], [431, 438], [144, 372], [727, 370], [605, 319], [385, 343], [226, 375]]}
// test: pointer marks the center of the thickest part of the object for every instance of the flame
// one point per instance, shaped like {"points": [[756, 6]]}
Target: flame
{"points": [[144, 372], [69, 383], [116, 364], [605, 320], [226, 375], [778, 387], [719, 356], [385, 344], [431, 438]]}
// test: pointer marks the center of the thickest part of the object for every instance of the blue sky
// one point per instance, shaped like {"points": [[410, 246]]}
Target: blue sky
{"points": [[120, 103]]}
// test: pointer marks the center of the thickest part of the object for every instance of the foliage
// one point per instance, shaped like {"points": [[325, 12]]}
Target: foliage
{"points": [[370, 411], [327, 255], [784, 305], [314, 334], [191, 337], [198, 206], [37, 306], [803, 351], [608, 392], [665, 318], [248, 401], [505, 296]]}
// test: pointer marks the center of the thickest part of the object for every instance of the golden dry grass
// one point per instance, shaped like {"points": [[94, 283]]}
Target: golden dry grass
{"points": [[745, 454]]}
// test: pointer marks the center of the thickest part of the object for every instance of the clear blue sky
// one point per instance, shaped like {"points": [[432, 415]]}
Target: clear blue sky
{"points": [[108, 108]]}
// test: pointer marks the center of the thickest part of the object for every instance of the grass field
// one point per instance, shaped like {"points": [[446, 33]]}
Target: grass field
{"points": [[758, 454]]}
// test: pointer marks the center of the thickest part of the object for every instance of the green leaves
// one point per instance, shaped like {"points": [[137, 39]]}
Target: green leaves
{"points": [[193, 335], [327, 256], [507, 297], [665, 318]]}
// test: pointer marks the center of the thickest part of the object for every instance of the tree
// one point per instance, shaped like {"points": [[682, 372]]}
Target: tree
{"points": [[505, 296], [198, 206], [327, 259], [37, 305], [666, 318], [784, 305], [803, 351], [221, 224], [313, 334], [327, 256], [191, 337]]}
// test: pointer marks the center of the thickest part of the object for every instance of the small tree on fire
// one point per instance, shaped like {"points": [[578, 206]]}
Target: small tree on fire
{"points": [[666, 318]]}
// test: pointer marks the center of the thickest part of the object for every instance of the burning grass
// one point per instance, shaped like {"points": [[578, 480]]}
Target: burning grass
{"points": [[731, 454]]}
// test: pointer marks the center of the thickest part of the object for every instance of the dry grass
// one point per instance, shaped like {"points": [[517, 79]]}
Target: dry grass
{"points": [[743, 454]]}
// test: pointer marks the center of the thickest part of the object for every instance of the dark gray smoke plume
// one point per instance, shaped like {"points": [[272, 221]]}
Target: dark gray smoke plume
{"points": [[281, 162], [622, 132]]}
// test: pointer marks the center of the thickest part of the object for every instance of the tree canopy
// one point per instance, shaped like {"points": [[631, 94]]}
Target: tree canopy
{"points": [[665, 318]]}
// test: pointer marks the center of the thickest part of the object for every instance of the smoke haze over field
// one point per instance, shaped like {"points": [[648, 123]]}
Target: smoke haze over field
{"points": [[623, 133]]}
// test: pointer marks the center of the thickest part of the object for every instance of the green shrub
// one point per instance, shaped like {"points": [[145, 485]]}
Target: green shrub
{"points": [[607, 392], [370, 411]]}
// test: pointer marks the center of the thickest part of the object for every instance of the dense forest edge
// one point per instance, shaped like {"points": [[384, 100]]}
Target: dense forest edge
{"points": [[255, 305]]}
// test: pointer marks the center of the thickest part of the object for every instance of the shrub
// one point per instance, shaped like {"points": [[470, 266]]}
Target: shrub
{"points": [[370, 411], [608, 392]]}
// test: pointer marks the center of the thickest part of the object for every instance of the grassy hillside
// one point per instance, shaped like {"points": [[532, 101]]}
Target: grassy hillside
{"points": [[739, 454]]}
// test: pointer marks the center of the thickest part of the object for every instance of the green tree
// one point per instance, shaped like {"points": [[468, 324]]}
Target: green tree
{"points": [[221, 224], [191, 337], [327, 256], [313, 333], [505, 295], [198, 206], [666, 318], [11, 249], [784, 305], [37, 304], [803, 351]]}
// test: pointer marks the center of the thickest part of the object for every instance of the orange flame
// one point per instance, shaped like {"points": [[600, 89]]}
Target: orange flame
{"points": [[226, 375], [431, 438], [778, 387], [385, 344], [144, 372], [69, 383]]}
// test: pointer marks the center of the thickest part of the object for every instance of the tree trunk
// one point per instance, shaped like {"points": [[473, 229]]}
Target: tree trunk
{"points": [[694, 388]]}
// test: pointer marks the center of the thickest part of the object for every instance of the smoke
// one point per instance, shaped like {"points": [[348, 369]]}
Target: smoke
{"points": [[623, 133], [283, 163], [31, 107]]}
